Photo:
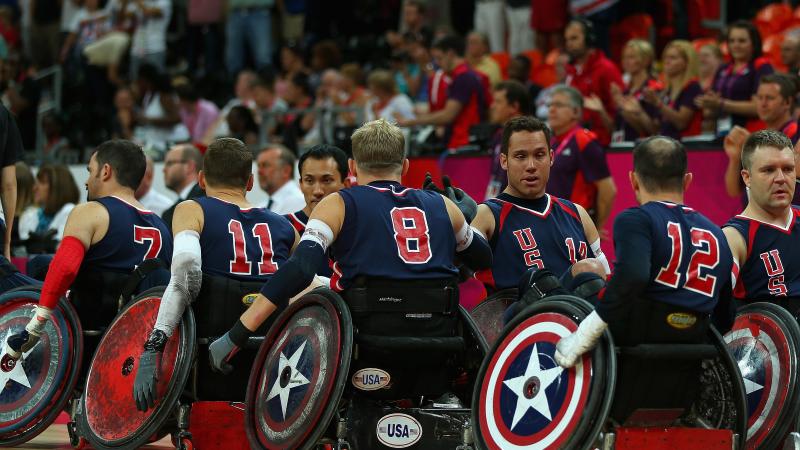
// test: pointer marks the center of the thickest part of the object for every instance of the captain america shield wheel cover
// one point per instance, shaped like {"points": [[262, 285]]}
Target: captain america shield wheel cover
{"points": [[109, 418], [34, 390], [763, 349], [299, 373], [526, 399]]}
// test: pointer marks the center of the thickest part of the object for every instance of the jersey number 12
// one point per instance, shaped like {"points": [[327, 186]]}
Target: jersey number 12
{"points": [[704, 256]]}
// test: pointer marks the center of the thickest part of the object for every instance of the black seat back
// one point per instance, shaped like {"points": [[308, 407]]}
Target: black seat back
{"points": [[218, 306], [410, 329], [418, 308], [98, 296], [660, 351], [220, 303]]}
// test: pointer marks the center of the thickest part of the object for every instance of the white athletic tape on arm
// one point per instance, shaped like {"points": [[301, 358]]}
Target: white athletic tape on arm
{"points": [[464, 237], [185, 280], [598, 253], [319, 232]]}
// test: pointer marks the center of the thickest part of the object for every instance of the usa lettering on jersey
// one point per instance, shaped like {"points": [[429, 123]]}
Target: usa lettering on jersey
{"points": [[532, 254], [774, 267]]}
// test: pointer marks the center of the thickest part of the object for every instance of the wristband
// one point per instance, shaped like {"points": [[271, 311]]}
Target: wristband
{"points": [[239, 334]]}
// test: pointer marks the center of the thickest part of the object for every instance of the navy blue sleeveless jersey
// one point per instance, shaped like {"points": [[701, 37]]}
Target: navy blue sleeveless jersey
{"points": [[133, 235], [391, 231], [243, 244], [299, 220], [689, 258], [772, 266], [542, 233]]}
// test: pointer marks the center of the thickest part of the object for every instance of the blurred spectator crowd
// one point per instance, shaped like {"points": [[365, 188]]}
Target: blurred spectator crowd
{"points": [[284, 75], [302, 72]]}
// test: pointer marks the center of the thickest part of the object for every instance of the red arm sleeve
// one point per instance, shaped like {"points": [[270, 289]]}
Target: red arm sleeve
{"points": [[63, 270]]}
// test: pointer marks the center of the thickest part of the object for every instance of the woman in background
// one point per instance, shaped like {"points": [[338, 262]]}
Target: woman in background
{"points": [[679, 114], [731, 100], [55, 193], [25, 208]]}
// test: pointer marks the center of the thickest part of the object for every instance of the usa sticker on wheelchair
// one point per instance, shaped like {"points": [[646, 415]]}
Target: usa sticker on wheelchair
{"points": [[371, 379], [398, 430]]}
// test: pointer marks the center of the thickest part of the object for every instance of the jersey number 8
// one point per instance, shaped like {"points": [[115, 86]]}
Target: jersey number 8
{"points": [[411, 235]]}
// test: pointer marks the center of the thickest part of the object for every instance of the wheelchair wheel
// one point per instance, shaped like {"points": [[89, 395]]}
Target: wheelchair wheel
{"points": [[721, 403], [108, 417], [300, 373], [488, 314], [36, 389], [473, 329], [523, 398], [764, 342]]}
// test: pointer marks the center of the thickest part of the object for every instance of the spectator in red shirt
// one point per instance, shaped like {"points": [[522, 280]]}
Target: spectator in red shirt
{"points": [[467, 97], [591, 73], [580, 170]]}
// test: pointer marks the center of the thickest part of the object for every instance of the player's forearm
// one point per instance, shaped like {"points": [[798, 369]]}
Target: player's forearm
{"points": [[9, 200], [294, 276], [733, 185], [185, 280], [742, 108], [63, 270], [258, 313], [474, 251], [606, 193], [632, 268]]}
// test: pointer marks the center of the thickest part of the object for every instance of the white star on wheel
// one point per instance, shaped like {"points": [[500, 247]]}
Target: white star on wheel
{"points": [[539, 401], [749, 385], [296, 379], [18, 372]]}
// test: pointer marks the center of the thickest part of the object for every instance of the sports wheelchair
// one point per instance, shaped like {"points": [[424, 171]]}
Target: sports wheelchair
{"points": [[669, 382], [391, 365], [49, 377], [194, 404]]}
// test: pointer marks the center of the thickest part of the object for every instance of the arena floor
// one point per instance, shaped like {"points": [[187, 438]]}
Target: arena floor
{"points": [[56, 437]]}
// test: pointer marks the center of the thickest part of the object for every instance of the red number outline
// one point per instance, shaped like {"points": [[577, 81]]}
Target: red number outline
{"points": [[152, 234], [403, 234]]}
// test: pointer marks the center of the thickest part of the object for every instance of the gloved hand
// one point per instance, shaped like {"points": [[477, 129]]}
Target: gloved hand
{"points": [[569, 349], [220, 353], [465, 203], [20, 343], [144, 387]]}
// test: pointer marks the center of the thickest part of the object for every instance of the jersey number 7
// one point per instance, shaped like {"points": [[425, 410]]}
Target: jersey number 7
{"points": [[142, 234], [704, 256]]}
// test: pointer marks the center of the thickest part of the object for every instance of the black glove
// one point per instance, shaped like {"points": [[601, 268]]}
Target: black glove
{"points": [[144, 387], [429, 184], [465, 203]]}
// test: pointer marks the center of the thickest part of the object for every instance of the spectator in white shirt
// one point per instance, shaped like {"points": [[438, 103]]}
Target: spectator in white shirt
{"points": [[276, 177], [149, 197], [386, 102], [149, 40], [243, 91]]}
